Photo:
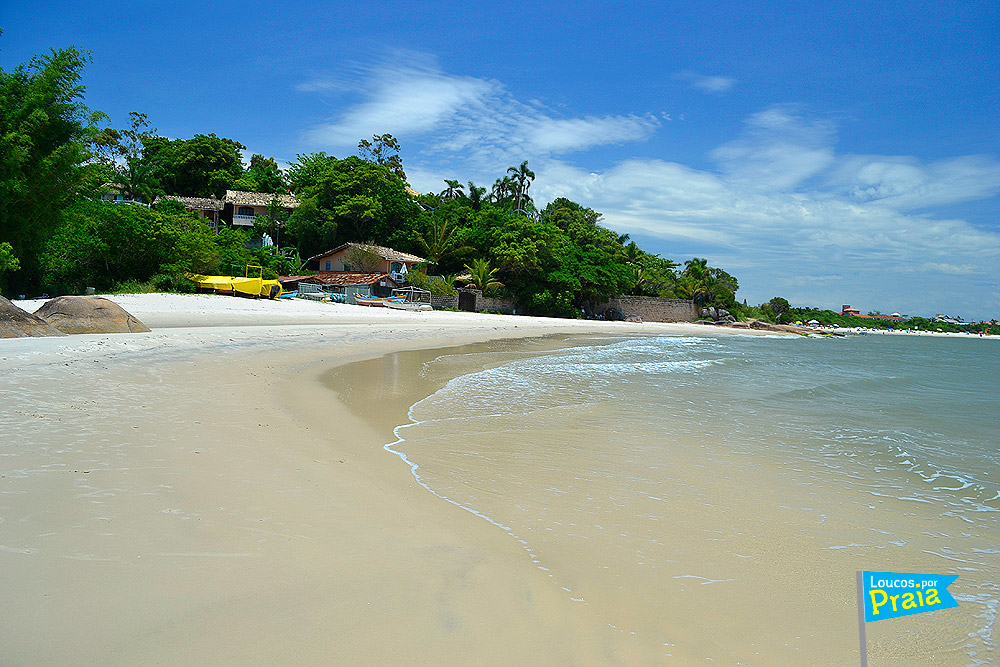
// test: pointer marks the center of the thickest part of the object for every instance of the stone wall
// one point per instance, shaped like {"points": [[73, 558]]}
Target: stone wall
{"points": [[653, 309], [441, 301]]}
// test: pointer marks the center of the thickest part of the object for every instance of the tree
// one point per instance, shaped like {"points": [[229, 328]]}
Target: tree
{"points": [[202, 166], [272, 220], [45, 130], [453, 191], [483, 275], [8, 262], [262, 176], [778, 306], [313, 228], [306, 170], [476, 196], [121, 152], [363, 258], [99, 245], [365, 200], [383, 149], [523, 177], [504, 189], [441, 242]]}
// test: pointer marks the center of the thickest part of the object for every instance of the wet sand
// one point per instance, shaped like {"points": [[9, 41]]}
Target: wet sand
{"points": [[194, 496]]}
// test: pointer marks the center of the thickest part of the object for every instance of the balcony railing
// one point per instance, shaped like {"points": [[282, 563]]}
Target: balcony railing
{"points": [[244, 220]]}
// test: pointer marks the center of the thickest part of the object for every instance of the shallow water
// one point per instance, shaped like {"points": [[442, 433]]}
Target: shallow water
{"points": [[712, 497]]}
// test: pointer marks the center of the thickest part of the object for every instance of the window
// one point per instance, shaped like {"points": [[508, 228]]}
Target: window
{"points": [[328, 266], [396, 267], [245, 210]]}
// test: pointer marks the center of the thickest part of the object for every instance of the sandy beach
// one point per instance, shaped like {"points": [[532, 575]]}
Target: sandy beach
{"points": [[193, 496]]}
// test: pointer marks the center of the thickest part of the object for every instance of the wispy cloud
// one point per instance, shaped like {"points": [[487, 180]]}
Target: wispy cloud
{"points": [[778, 205], [707, 84], [411, 98]]}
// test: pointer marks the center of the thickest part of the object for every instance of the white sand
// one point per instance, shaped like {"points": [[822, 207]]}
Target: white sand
{"points": [[194, 495]]}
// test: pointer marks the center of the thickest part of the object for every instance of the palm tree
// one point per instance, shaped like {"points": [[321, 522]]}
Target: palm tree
{"points": [[440, 242], [482, 275], [476, 195], [503, 189], [522, 177], [453, 191]]}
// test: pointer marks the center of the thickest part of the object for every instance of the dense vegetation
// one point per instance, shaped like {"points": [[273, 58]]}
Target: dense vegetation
{"points": [[56, 157]]}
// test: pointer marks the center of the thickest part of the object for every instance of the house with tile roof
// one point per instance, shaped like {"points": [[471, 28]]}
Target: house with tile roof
{"points": [[350, 283], [241, 208], [209, 208], [394, 262]]}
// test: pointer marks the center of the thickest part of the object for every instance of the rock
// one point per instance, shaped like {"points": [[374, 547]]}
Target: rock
{"points": [[767, 326], [88, 314], [18, 323], [634, 318]]}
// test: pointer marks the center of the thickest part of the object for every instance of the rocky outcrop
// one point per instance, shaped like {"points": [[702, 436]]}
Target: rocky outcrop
{"points": [[88, 314], [787, 328], [17, 323], [717, 315]]}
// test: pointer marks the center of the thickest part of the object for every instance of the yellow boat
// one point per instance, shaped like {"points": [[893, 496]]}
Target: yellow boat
{"points": [[246, 285]]}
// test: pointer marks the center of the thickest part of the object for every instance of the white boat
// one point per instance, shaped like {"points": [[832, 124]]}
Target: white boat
{"points": [[407, 305], [409, 298]]}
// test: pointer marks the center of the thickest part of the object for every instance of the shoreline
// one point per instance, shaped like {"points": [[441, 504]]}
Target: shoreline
{"points": [[203, 486]]}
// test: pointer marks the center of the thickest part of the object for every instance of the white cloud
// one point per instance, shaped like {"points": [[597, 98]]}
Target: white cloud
{"points": [[708, 84], [414, 98], [779, 207], [778, 151], [903, 183]]}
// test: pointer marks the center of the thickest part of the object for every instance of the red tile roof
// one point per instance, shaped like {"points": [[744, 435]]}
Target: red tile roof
{"points": [[347, 278]]}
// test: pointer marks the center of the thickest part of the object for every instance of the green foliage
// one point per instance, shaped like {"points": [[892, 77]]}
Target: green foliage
{"points": [[444, 285], [44, 132], [305, 172], [778, 306], [360, 258], [314, 229], [440, 241], [121, 154], [483, 275], [171, 207], [8, 262], [706, 285], [262, 176], [383, 150], [231, 244], [199, 167], [354, 200], [102, 245]]}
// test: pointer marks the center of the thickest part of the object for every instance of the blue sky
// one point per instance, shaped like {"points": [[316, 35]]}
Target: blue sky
{"points": [[830, 153]]}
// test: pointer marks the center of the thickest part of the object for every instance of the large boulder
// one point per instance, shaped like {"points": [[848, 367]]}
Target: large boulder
{"points": [[17, 323], [88, 314]]}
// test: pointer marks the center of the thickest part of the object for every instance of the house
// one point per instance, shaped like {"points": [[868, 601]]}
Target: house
{"points": [[112, 193], [350, 283], [208, 208], [848, 310], [397, 264], [241, 208]]}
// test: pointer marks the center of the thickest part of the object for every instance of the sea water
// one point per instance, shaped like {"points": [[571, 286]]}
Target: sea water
{"points": [[712, 497]]}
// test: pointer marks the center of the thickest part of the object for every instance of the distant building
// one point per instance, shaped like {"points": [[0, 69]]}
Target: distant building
{"points": [[350, 283], [208, 208], [241, 208], [397, 264], [854, 312]]}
